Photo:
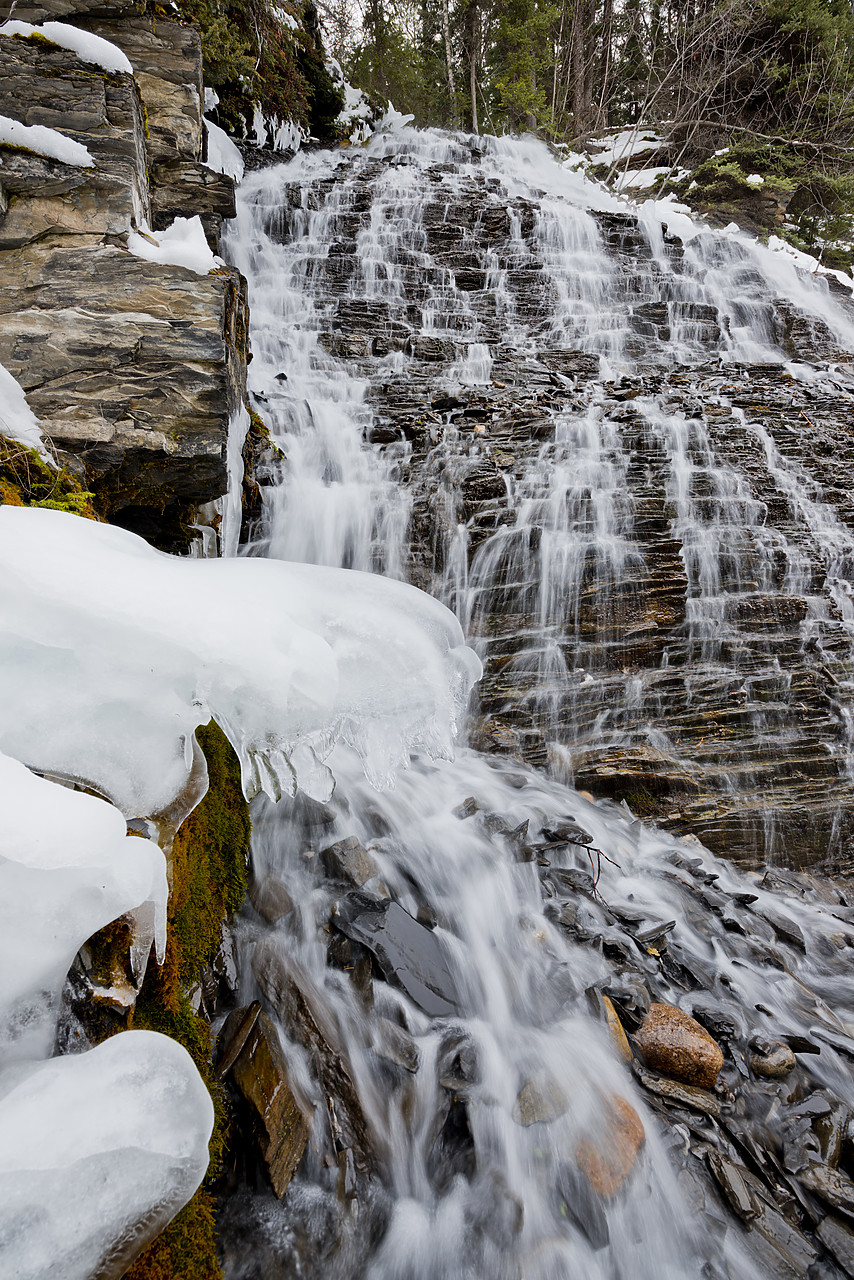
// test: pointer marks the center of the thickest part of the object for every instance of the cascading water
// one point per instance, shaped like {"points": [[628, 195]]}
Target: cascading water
{"points": [[426, 310]]}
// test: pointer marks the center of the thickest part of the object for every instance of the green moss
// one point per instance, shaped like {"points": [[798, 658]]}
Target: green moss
{"points": [[210, 854], [187, 1248], [209, 861], [26, 480]]}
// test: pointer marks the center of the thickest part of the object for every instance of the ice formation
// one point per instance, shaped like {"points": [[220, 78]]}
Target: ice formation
{"points": [[44, 142], [120, 652], [98, 1151], [88, 47], [182, 244], [223, 154], [67, 868]]}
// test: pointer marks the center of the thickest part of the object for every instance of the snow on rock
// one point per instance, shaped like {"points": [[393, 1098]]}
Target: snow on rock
{"points": [[88, 47], [806, 261], [67, 868], [17, 420], [223, 154], [183, 244], [119, 652], [755, 180], [98, 1151], [622, 146], [44, 142]]}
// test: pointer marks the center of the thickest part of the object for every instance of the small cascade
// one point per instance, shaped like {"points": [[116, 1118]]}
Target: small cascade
{"points": [[605, 440]]}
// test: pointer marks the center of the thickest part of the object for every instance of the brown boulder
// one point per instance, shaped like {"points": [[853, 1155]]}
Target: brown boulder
{"points": [[675, 1044], [607, 1157]]}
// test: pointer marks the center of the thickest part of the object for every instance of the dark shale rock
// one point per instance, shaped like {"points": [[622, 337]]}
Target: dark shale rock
{"points": [[830, 1185], [679, 1094], [838, 1238], [407, 953], [259, 1072], [348, 860]]}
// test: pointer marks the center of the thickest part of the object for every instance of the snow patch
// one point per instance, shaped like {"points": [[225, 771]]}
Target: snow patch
{"points": [[622, 146], [44, 142], [807, 262], [17, 420], [94, 1147], [183, 244], [755, 180], [89, 48]]}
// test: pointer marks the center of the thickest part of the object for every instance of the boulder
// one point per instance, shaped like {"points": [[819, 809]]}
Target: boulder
{"points": [[270, 898], [46, 85], [260, 1074], [134, 369], [540, 1101], [674, 1043], [167, 64], [608, 1154], [778, 1061], [348, 860]]}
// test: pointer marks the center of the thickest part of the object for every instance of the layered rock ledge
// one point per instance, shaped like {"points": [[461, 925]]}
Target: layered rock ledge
{"points": [[134, 367]]}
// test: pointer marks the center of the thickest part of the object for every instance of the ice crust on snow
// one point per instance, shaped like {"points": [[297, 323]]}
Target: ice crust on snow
{"points": [[120, 652], [17, 420], [88, 47], [44, 142], [223, 154], [67, 868], [98, 1151], [183, 244]]}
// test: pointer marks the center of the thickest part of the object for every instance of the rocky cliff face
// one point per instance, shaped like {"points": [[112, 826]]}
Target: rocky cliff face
{"points": [[135, 368]]}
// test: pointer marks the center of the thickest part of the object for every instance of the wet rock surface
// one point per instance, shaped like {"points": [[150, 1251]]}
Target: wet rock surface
{"points": [[672, 1042], [253, 1060]]}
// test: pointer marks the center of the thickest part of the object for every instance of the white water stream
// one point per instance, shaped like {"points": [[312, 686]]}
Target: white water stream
{"points": [[463, 1188]]}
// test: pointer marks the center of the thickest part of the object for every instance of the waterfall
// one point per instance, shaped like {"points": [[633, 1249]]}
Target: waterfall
{"points": [[491, 378]]}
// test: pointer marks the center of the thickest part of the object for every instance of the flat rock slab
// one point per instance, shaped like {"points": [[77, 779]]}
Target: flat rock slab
{"points": [[409, 955]]}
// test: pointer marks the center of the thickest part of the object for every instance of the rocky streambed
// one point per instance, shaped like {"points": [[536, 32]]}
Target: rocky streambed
{"points": [[639, 1032]]}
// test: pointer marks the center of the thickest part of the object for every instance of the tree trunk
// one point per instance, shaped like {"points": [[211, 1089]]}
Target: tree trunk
{"points": [[446, 27], [473, 51]]}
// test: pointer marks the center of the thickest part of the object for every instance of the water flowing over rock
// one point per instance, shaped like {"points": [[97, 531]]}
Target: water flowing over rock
{"points": [[619, 468], [616, 448]]}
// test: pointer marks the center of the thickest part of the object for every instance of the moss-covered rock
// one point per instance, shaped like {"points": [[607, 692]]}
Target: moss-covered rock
{"points": [[209, 865], [27, 480]]}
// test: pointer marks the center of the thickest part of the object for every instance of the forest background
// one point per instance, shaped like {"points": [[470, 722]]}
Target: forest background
{"points": [[736, 89]]}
